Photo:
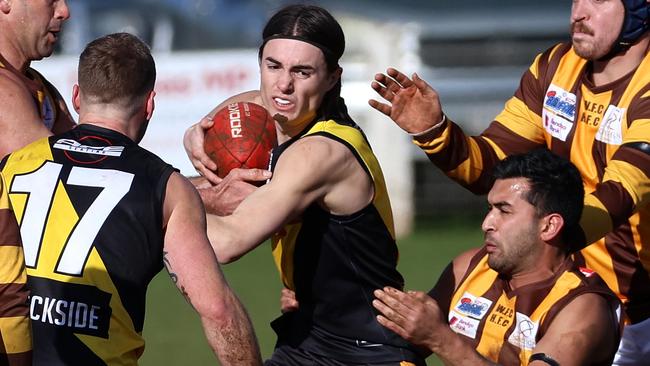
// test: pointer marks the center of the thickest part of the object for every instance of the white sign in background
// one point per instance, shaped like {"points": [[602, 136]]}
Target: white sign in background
{"points": [[188, 86]]}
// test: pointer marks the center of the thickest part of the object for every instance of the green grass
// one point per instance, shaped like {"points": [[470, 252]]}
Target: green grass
{"points": [[172, 329]]}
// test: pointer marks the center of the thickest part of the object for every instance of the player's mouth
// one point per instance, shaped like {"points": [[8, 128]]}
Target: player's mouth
{"points": [[490, 246], [54, 34], [282, 104]]}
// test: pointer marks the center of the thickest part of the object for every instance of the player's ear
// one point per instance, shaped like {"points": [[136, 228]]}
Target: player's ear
{"points": [[334, 77], [551, 227], [5, 6], [75, 97], [151, 104]]}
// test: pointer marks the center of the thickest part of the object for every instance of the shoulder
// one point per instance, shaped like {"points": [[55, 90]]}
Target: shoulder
{"points": [[322, 148], [12, 86], [462, 263], [181, 196]]}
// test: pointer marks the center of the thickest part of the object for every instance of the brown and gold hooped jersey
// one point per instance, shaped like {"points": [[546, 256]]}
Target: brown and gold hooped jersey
{"points": [[604, 131], [15, 330], [504, 325], [89, 204], [334, 263]]}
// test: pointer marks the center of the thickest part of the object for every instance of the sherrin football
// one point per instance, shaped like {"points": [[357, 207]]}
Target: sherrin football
{"points": [[242, 136]]}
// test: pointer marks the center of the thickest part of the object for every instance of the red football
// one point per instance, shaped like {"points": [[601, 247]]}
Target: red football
{"points": [[242, 136]]}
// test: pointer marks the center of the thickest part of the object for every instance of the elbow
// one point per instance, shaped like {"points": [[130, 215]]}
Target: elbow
{"points": [[225, 258], [220, 312], [225, 251]]}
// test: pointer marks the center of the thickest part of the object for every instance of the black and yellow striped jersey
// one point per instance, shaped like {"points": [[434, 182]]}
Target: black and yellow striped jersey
{"points": [[334, 263], [89, 204], [604, 130]]}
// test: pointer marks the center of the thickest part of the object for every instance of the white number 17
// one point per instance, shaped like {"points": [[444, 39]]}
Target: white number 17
{"points": [[75, 253]]}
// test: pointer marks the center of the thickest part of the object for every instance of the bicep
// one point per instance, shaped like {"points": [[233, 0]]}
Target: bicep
{"points": [[584, 331]]}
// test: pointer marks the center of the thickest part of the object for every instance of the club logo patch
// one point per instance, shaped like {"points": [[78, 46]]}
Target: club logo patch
{"points": [[524, 334], [611, 130]]}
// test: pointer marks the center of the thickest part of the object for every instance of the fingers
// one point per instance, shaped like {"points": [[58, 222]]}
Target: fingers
{"points": [[422, 85], [391, 325], [288, 301], [249, 175], [381, 107], [402, 79], [207, 173], [391, 303], [206, 123], [193, 142]]}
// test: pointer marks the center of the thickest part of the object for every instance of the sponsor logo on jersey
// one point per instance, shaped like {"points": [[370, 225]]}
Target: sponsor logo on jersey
{"points": [[475, 307], [560, 102], [611, 130], [75, 146], [82, 309], [463, 325], [558, 112], [525, 332]]}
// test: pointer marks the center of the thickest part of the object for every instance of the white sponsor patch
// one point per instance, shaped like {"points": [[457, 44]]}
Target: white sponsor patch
{"points": [[470, 305], [463, 325], [74, 146], [558, 112], [611, 130], [523, 336]]}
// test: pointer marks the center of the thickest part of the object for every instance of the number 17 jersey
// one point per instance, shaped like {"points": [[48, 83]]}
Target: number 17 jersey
{"points": [[89, 204]]}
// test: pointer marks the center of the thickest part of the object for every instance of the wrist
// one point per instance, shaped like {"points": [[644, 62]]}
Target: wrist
{"points": [[430, 129]]}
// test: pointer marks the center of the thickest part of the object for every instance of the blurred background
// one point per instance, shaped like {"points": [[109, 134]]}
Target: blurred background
{"points": [[472, 52]]}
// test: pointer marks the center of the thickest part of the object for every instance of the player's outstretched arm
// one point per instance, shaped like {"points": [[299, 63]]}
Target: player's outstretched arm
{"points": [[20, 122], [195, 136], [193, 267], [412, 103], [586, 331], [306, 172]]}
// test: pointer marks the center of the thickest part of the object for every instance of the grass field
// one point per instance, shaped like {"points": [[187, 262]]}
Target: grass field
{"points": [[172, 329]]}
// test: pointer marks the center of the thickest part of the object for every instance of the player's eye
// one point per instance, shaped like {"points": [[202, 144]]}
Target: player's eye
{"points": [[272, 66], [302, 73]]}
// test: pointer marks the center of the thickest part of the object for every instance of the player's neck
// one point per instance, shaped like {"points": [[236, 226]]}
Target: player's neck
{"points": [[12, 59], [538, 267], [607, 71]]}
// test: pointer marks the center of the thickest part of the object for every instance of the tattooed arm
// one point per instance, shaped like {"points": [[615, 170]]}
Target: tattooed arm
{"points": [[193, 267]]}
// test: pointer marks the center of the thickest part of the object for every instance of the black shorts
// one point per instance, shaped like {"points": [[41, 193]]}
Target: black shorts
{"points": [[290, 356]]}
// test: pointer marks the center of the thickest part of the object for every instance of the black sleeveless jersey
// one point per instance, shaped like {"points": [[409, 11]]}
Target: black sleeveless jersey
{"points": [[334, 263], [89, 203]]}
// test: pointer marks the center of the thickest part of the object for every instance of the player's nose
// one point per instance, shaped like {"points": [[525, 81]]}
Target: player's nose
{"points": [[285, 82]]}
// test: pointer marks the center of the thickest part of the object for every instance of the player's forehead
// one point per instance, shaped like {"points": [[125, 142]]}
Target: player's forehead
{"points": [[292, 52], [509, 190]]}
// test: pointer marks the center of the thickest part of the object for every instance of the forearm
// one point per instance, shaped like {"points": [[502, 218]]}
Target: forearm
{"points": [[455, 352], [232, 337], [467, 160]]}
